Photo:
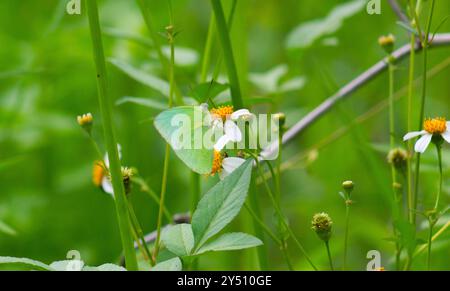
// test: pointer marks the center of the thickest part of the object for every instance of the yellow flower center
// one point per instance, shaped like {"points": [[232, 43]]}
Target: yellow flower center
{"points": [[436, 125], [217, 163], [222, 111], [98, 172], [84, 119]]}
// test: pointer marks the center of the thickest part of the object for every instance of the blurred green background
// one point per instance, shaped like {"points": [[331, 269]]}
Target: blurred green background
{"points": [[47, 78]]}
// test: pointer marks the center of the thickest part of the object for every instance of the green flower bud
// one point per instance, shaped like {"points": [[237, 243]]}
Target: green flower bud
{"points": [[348, 186], [321, 224]]}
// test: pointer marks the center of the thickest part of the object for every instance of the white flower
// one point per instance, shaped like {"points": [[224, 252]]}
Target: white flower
{"points": [[224, 166], [223, 118], [431, 127], [101, 175]]}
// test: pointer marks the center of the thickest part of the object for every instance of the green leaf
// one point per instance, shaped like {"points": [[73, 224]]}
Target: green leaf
{"points": [[221, 204], [229, 242], [143, 102], [269, 81], [305, 34], [7, 229], [67, 265], [25, 263], [142, 77], [105, 267], [202, 92], [179, 239], [169, 265], [185, 136]]}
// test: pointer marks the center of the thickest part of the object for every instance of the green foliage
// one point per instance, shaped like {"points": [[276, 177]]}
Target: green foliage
{"points": [[221, 204], [230, 241], [179, 239], [191, 118], [304, 35], [169, 265]]}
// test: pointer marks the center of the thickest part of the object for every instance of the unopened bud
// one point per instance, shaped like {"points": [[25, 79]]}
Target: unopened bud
{"points": [[321, 224], [387, 43], [86, 121]]}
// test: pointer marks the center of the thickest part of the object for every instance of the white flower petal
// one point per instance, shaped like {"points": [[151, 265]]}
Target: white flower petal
{"points": [[232, 131], [107, 186], [204, 106], [413, 134], [106, 158], [423, 142], [241, 112], [217, 123], [231, 164], [222, 142], [446, 135]]}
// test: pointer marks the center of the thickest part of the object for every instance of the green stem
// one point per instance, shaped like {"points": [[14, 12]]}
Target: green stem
{"points": [[167, 151], [439, 153], [409, 114], [327, 244], [425, 44], [145, 11], [146, 189], [218, 65], [262, 224], [207, 51], [347, 223], [224, 38], [139, 233], [111, 144], [281, 217], [430, 237]]}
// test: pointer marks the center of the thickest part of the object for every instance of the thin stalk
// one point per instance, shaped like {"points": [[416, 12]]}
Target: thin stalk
{"points": [[146, 189], [347, 223], [435, 236], [145, 11], [283, 245], [139, 233], [425, 45], [110, 141], [262, 224], [281, 217], [409, 124], [208, 47], [327, 244], [430, 237], [224, 38], [167, 151], [439, 154]]}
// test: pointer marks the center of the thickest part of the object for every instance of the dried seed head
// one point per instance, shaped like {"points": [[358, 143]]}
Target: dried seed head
{"points": [[398, 157], [321, 224]]}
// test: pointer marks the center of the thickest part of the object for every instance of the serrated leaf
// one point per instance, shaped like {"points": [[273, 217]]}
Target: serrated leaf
{"points": [[202, 92], [305, 34], [169, 265], [26, 263], [105, 267], [142, 77], [143, 102], [229, 242], [186, 122], [179, 239], [221, 204]]}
